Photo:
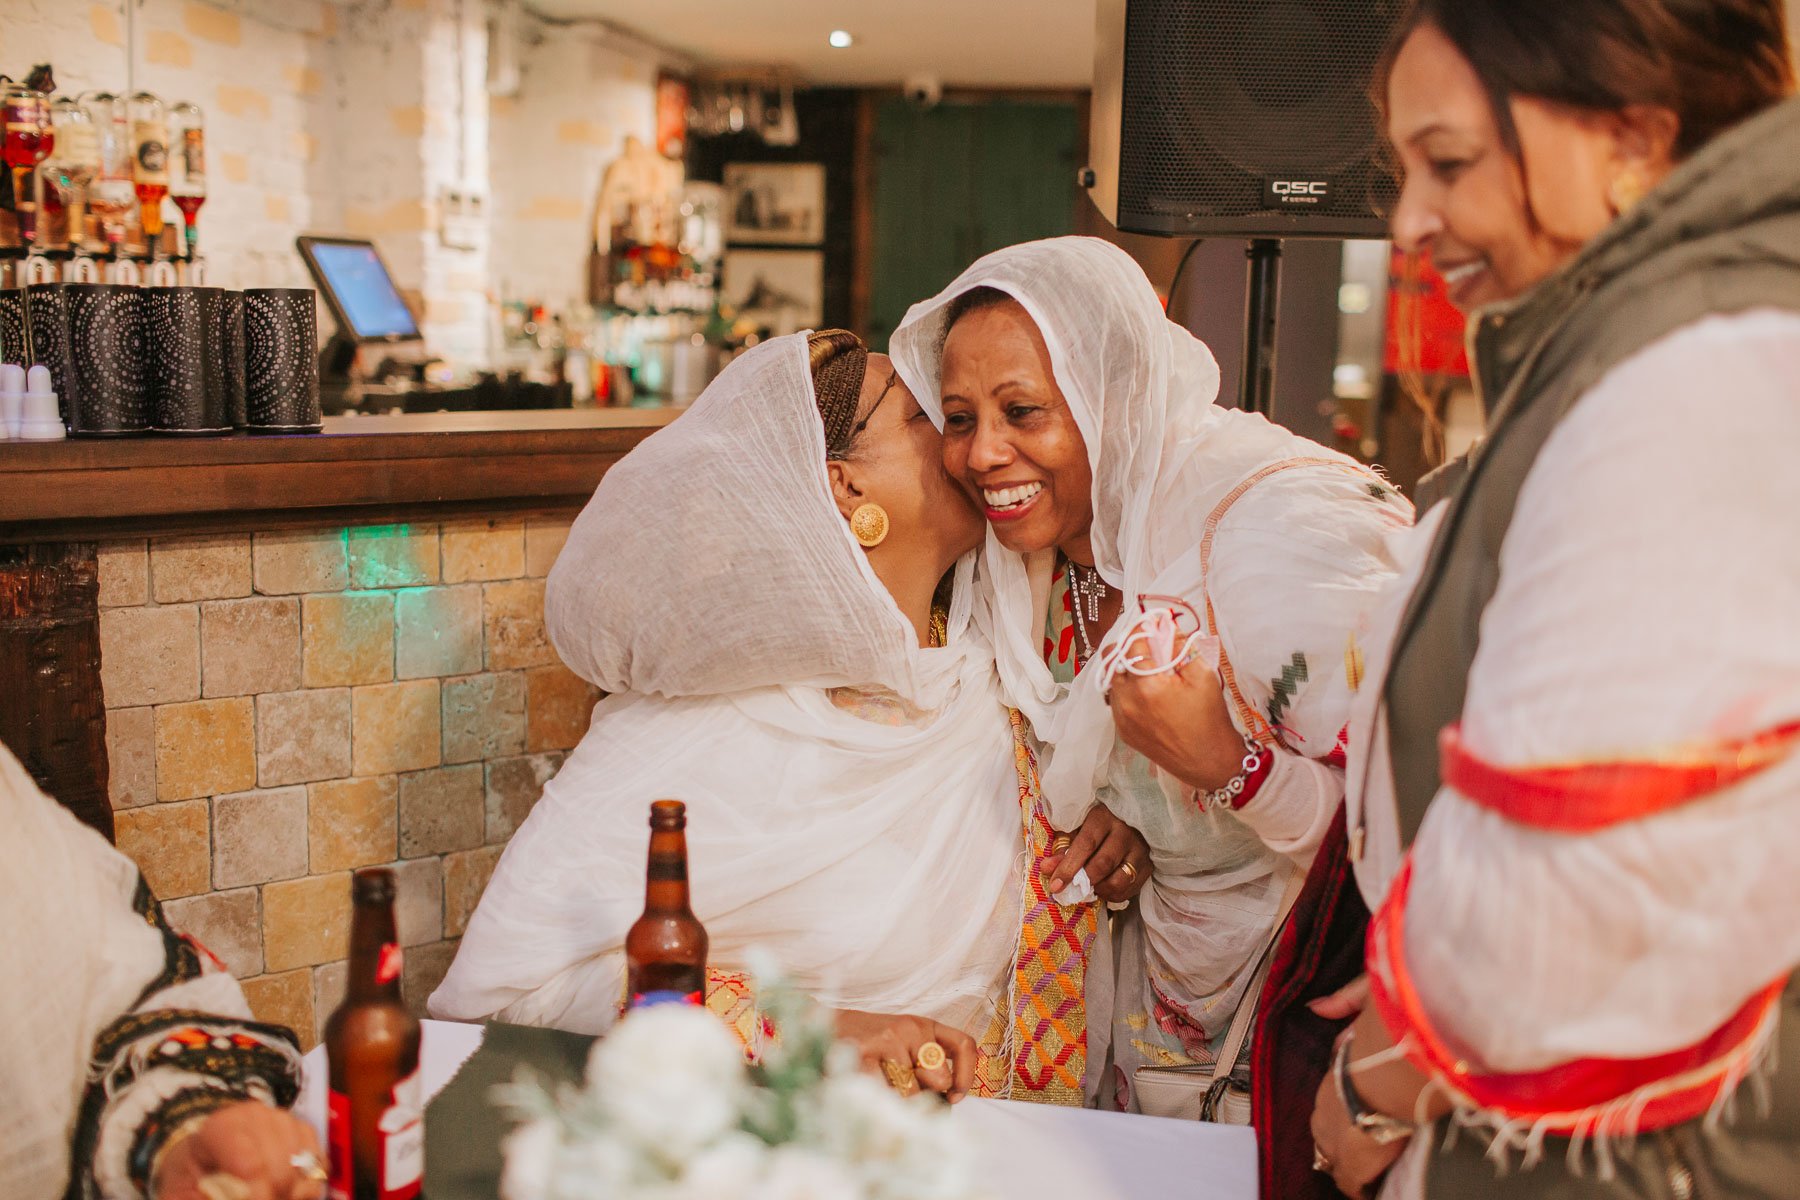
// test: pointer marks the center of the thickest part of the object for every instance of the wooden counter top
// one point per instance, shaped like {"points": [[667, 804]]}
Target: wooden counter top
{"points": [[361, 470]]}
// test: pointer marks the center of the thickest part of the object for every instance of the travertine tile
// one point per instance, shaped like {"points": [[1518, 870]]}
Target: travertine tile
{"points": [[329, 982], [352, 823], [349, 639], [150, 655], [437, 631], [390, 556], [424, 970], [302, 737], [544, 538], [200, 568], [205, 748], [442, 810], [259, 837], [285, 999], [514, 616], [484, 716], [310, 561], [131, 756], [396, 727], [124, 573], [227, 923], [306, 921], [249, 646], [419, 900], [170, 844], [465, 875], [475, 550], [513, 787], [558, 703]]}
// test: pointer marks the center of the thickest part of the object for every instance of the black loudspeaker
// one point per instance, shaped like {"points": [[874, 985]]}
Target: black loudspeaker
{"points": [[1239, 118]]}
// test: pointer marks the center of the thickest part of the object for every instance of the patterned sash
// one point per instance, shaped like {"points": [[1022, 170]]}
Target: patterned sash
{"points": [[1036, 1048]]}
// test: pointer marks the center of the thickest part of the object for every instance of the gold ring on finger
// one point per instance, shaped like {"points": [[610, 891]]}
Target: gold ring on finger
{"points": [[309, 1166], [1130, 872], [900, 1077], [1061, 843], [932, 1057]]}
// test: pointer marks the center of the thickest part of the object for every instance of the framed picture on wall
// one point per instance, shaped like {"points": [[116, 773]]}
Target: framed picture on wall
{"points": [[775, 203], [780, 290]]}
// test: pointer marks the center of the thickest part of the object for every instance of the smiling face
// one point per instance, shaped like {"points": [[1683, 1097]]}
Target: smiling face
{"points": [[1495, 222], [896, 461], [1010, 438]]}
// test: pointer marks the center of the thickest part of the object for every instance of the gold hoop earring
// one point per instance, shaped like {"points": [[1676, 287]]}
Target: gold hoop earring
{"points": [[869, 525], [1626, 189]]}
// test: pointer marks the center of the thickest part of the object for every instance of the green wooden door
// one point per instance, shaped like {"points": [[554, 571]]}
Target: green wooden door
{"points": [[956, 181]]}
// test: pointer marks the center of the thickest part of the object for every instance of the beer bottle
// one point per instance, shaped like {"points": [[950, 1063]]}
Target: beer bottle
{"points": [[665, 951], [375, 1121]]}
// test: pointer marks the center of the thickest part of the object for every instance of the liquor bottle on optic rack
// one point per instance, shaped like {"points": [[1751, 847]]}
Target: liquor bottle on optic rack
{"points": [[665, 950], [150, 163], [187, 169], [375, 1126]]}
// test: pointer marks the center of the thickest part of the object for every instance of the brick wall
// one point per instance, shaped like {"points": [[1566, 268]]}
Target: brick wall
{"points": [[327, 117], [283, 708]]}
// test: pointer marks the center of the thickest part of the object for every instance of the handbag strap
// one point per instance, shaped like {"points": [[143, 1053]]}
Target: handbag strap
{"points": [[1245, 1015]]}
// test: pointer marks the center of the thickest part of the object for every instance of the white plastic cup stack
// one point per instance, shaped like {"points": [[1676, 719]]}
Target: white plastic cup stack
{"points": [[40, 420], [12, 399]]}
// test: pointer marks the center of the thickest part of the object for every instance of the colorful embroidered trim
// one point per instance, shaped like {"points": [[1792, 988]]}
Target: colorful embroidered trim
{"points": [[1048, 1055], [1582, 797], [1576, 1097]]}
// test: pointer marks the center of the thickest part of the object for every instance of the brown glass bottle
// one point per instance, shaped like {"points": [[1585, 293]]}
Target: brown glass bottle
{"points": [[665, 951], [375, 1122]]}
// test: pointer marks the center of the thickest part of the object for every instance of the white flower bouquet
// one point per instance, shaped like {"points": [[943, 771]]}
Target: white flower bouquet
{"points": [[671, 1111]]}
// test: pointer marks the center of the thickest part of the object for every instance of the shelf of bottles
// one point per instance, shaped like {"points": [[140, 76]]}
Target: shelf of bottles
{"points": [[90, 180]]}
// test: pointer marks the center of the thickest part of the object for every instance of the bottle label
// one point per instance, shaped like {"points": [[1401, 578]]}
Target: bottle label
{"points": [[337, 1144], [399, 1144], [193, 153], [390, 964], [152, 151], [652, 999]]}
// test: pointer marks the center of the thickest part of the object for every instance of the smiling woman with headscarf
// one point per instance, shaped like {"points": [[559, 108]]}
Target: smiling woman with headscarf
{"points": [[761, 587], [1083, 421]]}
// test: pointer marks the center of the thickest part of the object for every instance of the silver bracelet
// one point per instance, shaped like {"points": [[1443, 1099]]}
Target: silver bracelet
{"points": [[1221, 797]]}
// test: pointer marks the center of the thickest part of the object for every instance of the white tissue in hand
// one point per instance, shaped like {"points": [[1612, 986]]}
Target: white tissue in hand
{"points": [[1079, 891]]}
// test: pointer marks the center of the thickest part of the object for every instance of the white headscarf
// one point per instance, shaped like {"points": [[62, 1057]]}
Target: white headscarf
{"points": [[713, 586], [1163, 455]]}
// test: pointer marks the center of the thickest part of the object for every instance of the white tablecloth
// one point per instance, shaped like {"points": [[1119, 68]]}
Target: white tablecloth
{"points": [[1031, 1151]]}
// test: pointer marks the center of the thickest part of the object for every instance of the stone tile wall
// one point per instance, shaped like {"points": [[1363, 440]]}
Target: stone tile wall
{"points": [[283, 708]]}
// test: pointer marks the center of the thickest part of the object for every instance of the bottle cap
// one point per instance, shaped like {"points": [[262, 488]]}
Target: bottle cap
{"points": [[40, 420], [373, 885]]}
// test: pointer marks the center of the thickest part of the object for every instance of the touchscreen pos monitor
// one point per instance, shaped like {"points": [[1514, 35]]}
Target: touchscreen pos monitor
{"points": [[358, 289]]}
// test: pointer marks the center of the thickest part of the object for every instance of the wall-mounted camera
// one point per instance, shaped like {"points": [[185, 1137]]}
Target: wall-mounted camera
{"points": [[924, 90]]}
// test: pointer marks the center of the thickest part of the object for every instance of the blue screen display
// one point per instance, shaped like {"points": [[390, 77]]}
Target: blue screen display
{"points": [[364, 290]]}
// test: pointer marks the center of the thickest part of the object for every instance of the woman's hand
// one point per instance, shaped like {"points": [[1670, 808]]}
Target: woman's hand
{"points": [[1115, 856], [890, 1048], [244, 1151], [1179, 721], [1354, 1160], [1348, 1001]]}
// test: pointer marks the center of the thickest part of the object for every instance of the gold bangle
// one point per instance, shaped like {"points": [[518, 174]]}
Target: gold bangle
{"points": [[177, 1135]]}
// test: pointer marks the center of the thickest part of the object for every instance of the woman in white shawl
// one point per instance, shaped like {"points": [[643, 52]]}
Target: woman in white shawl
{"points": [[762, 589], [1083, 421]]}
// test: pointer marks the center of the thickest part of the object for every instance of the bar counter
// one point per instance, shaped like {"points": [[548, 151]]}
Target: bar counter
{"points": [[366, 469]]}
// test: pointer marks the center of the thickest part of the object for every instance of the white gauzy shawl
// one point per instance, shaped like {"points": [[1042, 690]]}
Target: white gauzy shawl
{"points": [[712, 586], [1295, 565]]}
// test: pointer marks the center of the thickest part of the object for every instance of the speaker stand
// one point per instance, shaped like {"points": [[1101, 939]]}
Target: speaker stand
{"points": [[1256, 386]]}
